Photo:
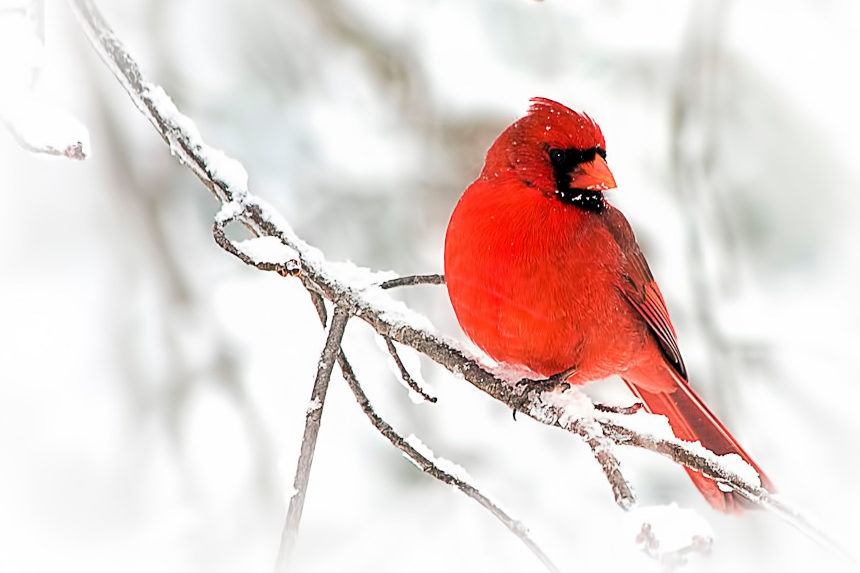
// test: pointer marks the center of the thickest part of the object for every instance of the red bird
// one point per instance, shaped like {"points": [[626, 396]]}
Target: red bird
{"points": [[543, 272]]}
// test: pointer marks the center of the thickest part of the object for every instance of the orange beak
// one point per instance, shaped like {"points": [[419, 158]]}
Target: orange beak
{"points": [[592, 176]]}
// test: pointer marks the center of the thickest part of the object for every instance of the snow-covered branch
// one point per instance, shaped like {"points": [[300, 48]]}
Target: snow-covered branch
{"points": [[37, 125], [425, 461], [363, 294]]}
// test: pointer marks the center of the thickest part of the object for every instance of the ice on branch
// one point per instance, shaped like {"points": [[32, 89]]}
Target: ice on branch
{"points": [[670, 534], [220, 166]]}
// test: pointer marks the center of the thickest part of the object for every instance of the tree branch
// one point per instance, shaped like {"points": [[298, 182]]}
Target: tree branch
{"points": [[154, 104], [367, 300], [405, 375], [36, 126], [309, 440], [591, 432], [413, 280], [425, 463]]}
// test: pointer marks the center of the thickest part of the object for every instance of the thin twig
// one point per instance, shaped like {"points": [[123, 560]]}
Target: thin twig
{"points": [[290, 267], [624, 410], [569, 409], [601, 446], [405, 375], [309, 440], [37, 125], [23, 126], [412, 280], [125, 69], [426, 464]]}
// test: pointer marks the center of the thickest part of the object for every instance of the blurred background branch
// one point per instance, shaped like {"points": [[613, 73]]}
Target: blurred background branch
{"points": [[713, 243], [38, 126]]}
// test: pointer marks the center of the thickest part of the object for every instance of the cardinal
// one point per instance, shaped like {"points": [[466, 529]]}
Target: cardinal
{"points": [[543, 272]]}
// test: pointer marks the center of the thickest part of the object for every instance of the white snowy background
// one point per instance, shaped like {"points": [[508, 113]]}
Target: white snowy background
{"points": [[153, 390]]}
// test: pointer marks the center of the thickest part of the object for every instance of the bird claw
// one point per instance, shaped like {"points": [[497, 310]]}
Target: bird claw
{"points": [[527, 386]]}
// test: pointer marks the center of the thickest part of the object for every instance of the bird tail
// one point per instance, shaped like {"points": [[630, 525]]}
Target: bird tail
{"points": [[692, 421]]}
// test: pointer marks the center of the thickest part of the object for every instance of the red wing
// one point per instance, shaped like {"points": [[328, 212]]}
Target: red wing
{"points": [[640, 289], [644, 295]]}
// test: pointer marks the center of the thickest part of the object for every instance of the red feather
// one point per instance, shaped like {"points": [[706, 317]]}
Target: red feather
{"points": [[549, 279]]}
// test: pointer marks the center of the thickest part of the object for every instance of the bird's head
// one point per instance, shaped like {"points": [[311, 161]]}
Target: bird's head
{"points": [[560, 152]]}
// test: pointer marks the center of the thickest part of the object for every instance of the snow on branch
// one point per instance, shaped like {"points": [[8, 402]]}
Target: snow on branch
{"points": [[222, 175], [43, 128], [37, 126], [425, 461], [363, 294]]}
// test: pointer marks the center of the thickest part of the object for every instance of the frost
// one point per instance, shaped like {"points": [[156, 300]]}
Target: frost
{"points": [[267, 250], [447, 466], [669, 534]]}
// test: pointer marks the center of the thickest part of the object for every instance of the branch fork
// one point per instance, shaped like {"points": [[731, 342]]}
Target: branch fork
{"points": [[368, 301]]}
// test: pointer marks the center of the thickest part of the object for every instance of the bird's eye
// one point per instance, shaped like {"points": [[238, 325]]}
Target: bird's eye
{"points": [[557, 156]]}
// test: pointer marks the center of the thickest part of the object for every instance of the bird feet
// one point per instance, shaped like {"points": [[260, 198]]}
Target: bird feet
{"points": [[551, 384]]}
